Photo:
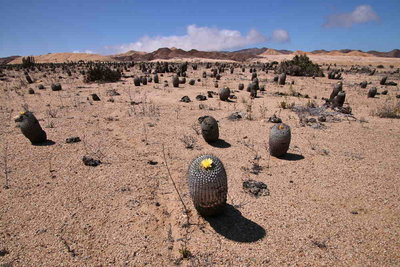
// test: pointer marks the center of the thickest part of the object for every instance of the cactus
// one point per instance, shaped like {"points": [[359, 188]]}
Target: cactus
{"points": [[282, 79], [253, 75], [363, 84], [336, 89], [30, 127], [372, 92], [209, 128], [192, 81], [175, 81], [182, 80], [224, 93], [155, 78], [143, 80], [208, 185], [279, 139], [338, 101], [383, 80], [241, 86], [56, 87], [136, 81]]}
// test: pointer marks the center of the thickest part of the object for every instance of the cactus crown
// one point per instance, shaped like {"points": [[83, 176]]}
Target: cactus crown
{"points": [[206, 163]]}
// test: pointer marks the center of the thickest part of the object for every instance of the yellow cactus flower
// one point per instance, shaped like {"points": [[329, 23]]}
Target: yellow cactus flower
{"points": [[206, 163], [281, 127], [22, 113]]}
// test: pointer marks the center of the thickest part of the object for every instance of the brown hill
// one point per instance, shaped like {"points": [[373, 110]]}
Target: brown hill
{"points": [[6, 60], [271, 51], [393, 53], [65, 57]]}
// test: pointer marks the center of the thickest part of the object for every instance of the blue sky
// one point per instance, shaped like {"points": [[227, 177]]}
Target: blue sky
{"points": [[48, 26]]}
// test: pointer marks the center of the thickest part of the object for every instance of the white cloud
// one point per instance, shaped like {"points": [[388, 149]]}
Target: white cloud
{"points": [[200, 38], [280, 36], [361, 14], [86, 51]]}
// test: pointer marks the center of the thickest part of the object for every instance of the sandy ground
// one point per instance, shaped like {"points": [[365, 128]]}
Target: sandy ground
{"points": [[333, 202]]}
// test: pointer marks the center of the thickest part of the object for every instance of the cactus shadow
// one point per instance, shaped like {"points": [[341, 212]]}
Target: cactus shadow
{"points": [[220, 143], [45, 143], [292, 157], [233, 226]]}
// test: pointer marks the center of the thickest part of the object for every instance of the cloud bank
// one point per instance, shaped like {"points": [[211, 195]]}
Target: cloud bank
{"points": [[280, 36], [361, 14], [86, 51], [202, 38]]}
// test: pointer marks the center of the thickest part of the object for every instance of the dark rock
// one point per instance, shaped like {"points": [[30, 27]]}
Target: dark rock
{"points": [[256, 188], [201, 97], [74, 139], [89, 161], [185, 99]]}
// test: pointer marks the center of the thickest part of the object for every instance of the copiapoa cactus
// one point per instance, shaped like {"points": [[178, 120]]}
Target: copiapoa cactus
{"points": [[30, 127], [208, 184], [209, 128], [279, 139]]}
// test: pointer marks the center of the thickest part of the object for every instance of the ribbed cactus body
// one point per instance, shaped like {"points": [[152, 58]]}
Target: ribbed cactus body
{"points": [[209, 129], [282, 79], [279, 139], [136, 81], [224, 93], [338, 101], [241, 86], [175, 81], [208, 184], [31, 128], [372, 92], [336, 89]]}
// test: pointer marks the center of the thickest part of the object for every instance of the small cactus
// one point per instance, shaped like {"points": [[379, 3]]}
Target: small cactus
{"points": [[144, 80], [56, 87], [192, 81], [282, 79], [241, 86], [279, 139], [136, 81], [208, 184], [372, 92], [338, 101], [209, 128], [224, 93], [383, 80], [363, 84], [175, 81], [155, 78], [336, 89], [30, 127]]}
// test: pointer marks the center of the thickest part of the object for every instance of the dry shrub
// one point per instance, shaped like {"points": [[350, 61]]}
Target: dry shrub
{"points": [[389, 109]]}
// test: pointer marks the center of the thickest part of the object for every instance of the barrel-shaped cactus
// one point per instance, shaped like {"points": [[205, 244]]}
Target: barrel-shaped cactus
{"points": [[136, 81], [56, 87], [175, 81], [155, 78], [208, 184], [282, 79], [253, 75], [143, 80], [30, 127], [383, 80], [372, 92], [336, 89], [364, 84], [224, 93], [241, 86], [279, 139], [338, 101], [209, 129]]}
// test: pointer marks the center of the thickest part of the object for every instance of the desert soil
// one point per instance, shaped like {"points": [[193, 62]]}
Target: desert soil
{"points": [[333, 201]]}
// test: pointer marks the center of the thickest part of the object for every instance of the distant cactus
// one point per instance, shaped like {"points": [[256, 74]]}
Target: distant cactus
{"points": [[143, 80], [282, 79], [204, 74], [209, 129], [155, 78], [383, 80], [175, 81], [363, 84], [372, 92], [338, 101], [192, 81], [208, 185], [241, 86], [56, 87], [182, 80], [30, 127], [224, 93], [279, 139], [253, 75], [336, 89], [136, 81]]}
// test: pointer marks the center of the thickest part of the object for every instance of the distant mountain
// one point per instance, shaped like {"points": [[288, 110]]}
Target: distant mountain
{"points": [[393, 53], [6, 60], [176, 53]]}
